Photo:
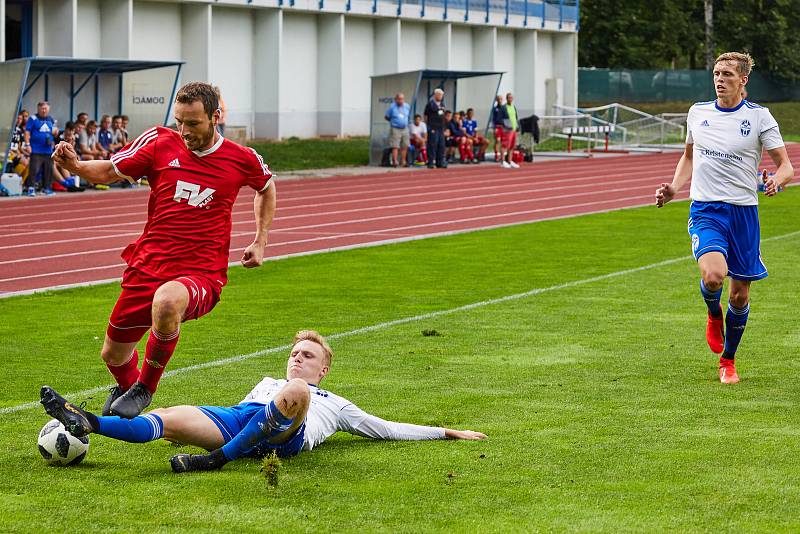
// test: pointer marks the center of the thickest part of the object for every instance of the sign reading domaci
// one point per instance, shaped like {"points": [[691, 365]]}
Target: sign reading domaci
{"points": [[149, 99]]}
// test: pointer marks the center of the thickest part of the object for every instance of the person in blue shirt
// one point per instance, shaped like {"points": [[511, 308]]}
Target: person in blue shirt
{"points": [[397, 115], [479, 143], [40, 132]]}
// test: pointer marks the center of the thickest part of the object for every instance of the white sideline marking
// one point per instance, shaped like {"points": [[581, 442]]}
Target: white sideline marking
{"points": [[395, 322]]}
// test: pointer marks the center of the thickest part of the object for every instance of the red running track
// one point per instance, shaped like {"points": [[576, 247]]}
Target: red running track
{"points": [[76, 239]]}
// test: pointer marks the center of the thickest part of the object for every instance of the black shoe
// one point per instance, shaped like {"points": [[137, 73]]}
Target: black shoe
{"points": [[74, 418], [132, 402], [114, 393], [183, 463]]}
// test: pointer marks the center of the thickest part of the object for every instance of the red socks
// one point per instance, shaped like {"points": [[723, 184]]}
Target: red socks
{"points": [[160, 347], [127, 373]]}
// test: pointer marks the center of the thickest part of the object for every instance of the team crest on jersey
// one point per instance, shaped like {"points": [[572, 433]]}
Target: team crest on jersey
{"points": [[192, 194], [695, 242], [744, 128]]}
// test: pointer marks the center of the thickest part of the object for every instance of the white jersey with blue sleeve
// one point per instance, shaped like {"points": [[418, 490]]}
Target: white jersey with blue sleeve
{"points": [[330, 413], [727, 150]]}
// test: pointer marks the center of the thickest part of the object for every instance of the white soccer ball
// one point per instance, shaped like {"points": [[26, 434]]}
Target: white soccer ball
{"points": [[59, 447]]}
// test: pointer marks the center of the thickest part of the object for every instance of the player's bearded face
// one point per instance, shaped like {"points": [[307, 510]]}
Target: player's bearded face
{"points": [[194, 125]]}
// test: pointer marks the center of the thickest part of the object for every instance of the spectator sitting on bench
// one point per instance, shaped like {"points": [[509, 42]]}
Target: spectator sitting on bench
{"points": [[90, 147], [120, 138], [479, 143], [418, 132], [448, 136], [457, 138], [105, 137], [124, 125], [64, 181]]}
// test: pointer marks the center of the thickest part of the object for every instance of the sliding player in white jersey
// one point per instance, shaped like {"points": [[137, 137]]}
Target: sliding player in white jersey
{"points": [[287, 416], [724, 141]]}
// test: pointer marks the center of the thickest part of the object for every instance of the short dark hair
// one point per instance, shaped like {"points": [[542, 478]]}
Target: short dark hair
{"points": [[124, 117], [199, 92], [83, 113], [91, 123], [69, 125], [417, 115], [447, 111], [470, 109], [115, 117]]}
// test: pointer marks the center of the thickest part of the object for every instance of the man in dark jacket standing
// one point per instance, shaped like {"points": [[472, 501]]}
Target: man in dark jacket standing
{"points": [[434, 117]]}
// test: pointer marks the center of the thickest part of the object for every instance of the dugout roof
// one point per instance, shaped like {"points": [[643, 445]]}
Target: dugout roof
{"points": [[70, 76], [476, 89]]}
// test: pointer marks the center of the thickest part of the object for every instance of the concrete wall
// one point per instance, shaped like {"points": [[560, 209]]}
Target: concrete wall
{"points": [[301, 71], [156, 31], [232, 63]]}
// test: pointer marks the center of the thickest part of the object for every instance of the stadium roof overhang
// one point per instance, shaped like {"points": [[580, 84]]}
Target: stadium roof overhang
{"points": [[420, 85], [26, 73]]}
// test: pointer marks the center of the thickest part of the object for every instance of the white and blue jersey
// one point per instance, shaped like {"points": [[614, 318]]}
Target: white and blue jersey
{"points": [[327, 414], [728, 143]]}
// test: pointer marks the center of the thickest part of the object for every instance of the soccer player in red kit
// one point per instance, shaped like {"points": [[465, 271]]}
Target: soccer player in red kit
{"points": [[177, 268]]}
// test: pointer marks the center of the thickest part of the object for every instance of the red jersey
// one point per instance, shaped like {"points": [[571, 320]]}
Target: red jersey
{"points": [[188, 228]]}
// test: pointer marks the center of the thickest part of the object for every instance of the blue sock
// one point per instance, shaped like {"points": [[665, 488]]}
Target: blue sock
{"points": [[735, 321], [712, 299], [264, 424], [140, 429]]}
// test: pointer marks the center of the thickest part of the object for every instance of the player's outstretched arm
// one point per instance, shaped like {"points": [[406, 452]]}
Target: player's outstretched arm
{"points": [[782, 176], [683, 172], [264, 207], [357, 422], [96, 172]]}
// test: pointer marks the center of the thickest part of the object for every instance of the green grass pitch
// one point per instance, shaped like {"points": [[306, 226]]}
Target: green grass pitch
{"points": [[600, 399]]}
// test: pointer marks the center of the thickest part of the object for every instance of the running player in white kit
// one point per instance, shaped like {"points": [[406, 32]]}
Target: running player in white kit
{"points": [[287, 416], [724, 140]]}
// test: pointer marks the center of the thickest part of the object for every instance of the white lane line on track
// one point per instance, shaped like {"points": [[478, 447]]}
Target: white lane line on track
{"points": [[395, 322], [379, 230], [365, 244], [629, 188], [520, 180], [467, 174]]}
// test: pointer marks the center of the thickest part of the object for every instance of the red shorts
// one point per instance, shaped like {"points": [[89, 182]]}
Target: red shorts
{"points": [[498, 134], [132, 318], [510, 138]]}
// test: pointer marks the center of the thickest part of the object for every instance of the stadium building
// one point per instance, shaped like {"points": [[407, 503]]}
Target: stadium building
{"points": [[286, 67]]}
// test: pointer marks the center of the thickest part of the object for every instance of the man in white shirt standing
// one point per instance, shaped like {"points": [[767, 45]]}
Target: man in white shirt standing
{"points": [[287, 416], [724, 141]]}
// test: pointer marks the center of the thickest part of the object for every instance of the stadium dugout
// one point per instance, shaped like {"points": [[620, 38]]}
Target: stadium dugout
{"points": [[462, 89], [97, 86]]}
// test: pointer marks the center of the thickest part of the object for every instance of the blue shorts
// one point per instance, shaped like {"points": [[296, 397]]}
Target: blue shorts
{"points": [[732, 230], [231, 421]]}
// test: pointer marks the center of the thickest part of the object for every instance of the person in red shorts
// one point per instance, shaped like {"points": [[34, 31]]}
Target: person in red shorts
{"points": [[498, 118], [177, 268], [511, 126]]}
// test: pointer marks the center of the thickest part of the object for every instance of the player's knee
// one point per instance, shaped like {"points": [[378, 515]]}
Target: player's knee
{"points": [[713, 279], [169, 301]]}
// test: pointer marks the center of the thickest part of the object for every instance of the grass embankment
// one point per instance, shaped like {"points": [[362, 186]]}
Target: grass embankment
{"points": [[298, 154]]}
